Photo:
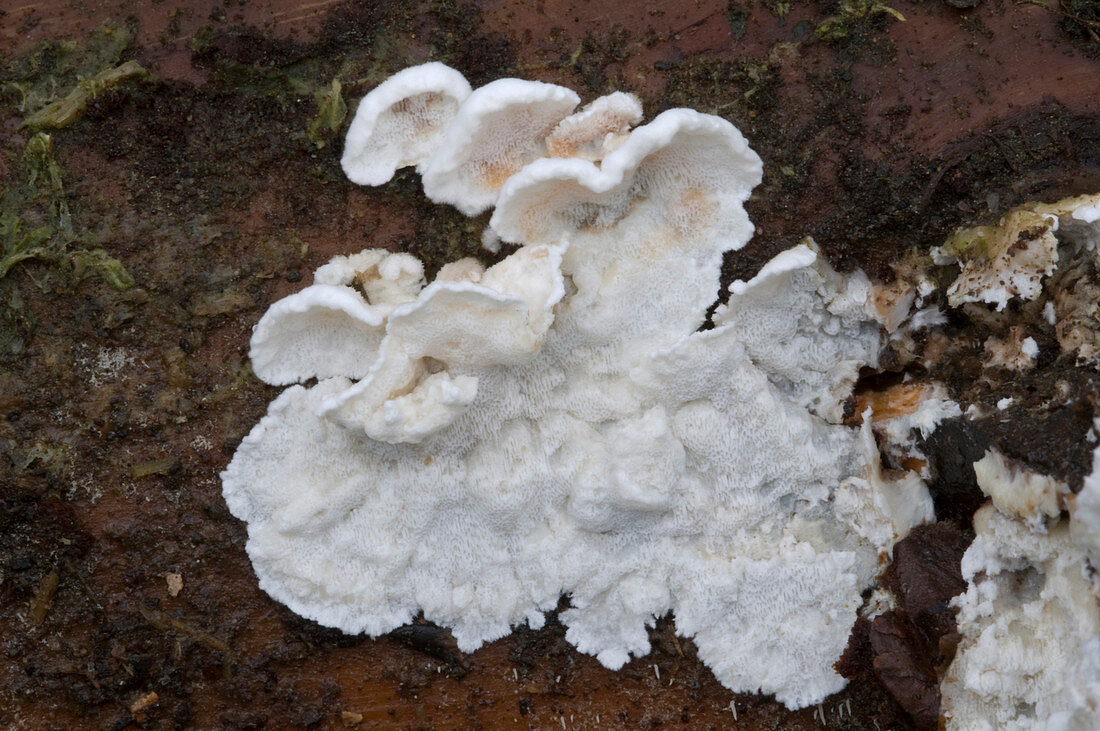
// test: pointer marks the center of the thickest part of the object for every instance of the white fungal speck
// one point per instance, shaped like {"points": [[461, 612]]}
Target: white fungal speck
{"points": [[1049, 314]]}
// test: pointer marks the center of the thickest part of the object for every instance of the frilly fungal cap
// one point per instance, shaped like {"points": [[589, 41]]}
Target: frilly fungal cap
{"points": [[401, 122], [500, 128], [597, 129]]}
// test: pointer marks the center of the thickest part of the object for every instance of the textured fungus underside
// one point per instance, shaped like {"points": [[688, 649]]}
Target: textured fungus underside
{"points": [[558, 424]]}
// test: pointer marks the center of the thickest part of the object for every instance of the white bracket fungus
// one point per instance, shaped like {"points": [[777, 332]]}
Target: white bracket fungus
{"points": [[501, 127], [329, 329], [559, 423], [597, 129], [401, 122]]}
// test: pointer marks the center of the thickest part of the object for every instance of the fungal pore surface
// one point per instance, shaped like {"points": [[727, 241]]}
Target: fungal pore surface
{"points": [[567, 421]]}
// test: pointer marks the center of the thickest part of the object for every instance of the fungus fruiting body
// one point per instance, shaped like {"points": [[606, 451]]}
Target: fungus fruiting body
{"points": [[563, 423], [1028, 656], [1030, 624]]}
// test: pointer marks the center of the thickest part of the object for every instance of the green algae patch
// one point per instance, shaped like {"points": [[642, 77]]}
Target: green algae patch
{"points": [[46, 77], [72, 106], [839, 26], [34, 215], [51, 87], [36, 224], [97, 262], [331, 111]]}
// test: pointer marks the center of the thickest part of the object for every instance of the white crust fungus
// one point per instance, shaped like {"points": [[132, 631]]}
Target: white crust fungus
{"points": [[1019, 492], [1003, 261], [1030, 623], [1075, 305], [1029, 657], [1016, 352], [558, 423], [781, 315], [1010, 259], [401, 122], [1085, 509]]}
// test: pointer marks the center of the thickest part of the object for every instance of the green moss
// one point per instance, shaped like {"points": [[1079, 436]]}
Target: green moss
{"points": [[591, 58], [726, 88], [779, 8], [283, 85], [459, 39]]}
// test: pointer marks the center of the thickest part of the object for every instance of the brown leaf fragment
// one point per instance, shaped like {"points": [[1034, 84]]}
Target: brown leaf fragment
{"points": [[162, 621], [221, 303], [901, 664], [141, 707], [153, 467], [926, 571], [175, 584], [858, 656], [43, 597]]}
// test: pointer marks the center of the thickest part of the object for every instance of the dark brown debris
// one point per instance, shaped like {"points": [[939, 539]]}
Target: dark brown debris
{"points": [[908, 649]]}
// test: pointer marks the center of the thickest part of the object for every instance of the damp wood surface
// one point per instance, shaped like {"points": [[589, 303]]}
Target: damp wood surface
{"points": [[126, 596]]}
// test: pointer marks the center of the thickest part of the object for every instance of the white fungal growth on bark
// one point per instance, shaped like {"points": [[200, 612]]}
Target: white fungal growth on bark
{"points": [[560, 423]]}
